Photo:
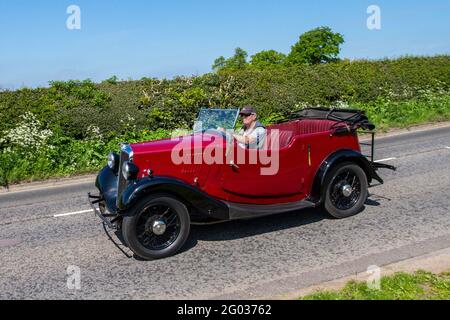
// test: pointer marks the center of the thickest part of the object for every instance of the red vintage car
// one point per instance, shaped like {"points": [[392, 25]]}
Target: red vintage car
{"points": [[153, 191]]}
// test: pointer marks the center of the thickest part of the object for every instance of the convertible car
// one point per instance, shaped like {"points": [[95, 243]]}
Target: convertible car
{"points": [[152, 192]]}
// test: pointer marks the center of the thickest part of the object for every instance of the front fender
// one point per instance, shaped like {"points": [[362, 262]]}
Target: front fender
{"points": [[106, 183], [203, 204], [346, 155]]}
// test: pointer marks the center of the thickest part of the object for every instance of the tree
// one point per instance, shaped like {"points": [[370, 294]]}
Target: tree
{"points": [[111, 80], [320, 45], [219, 63], [238, 61], [268, 58]]}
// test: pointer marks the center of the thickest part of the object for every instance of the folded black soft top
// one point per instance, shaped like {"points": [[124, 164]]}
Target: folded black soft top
{"points": [[353, 118]]}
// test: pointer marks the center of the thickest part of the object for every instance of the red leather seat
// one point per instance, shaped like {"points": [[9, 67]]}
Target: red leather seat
{"points": [[308, 126], [283, 131], [286, 131]]}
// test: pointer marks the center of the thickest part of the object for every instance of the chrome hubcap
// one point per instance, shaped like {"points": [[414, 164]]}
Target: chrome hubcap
{"points": [[347, 190], [159, 227]]}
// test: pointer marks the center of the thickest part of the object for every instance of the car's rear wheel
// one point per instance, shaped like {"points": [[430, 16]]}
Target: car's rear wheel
{"points": [[346, 190], [157, 227]]}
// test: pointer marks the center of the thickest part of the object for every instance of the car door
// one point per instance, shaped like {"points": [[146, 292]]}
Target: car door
{"points": [[276, 173]]}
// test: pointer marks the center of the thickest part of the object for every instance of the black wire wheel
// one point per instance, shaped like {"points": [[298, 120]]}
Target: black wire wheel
{"points": [[157, 227], [346, 190]]}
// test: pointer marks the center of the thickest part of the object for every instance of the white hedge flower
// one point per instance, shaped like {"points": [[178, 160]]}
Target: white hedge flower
{"points": [[342, 105], [28, 134], [129, 122], [93, 133], [301, 106]]}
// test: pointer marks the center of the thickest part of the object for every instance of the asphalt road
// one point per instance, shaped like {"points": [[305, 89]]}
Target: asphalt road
{"points": [[407, 216]]}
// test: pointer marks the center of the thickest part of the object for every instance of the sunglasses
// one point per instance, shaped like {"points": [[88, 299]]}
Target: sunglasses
{"points": [[246, 115]]}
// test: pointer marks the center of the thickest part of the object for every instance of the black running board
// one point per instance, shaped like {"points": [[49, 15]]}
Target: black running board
{"points": [[246, 211]]}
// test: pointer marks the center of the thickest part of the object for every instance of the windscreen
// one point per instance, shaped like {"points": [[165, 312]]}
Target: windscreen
{"points": [[216, 118]]}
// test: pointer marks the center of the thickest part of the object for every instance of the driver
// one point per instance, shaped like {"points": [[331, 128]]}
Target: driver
{"points": [[253, 133]]}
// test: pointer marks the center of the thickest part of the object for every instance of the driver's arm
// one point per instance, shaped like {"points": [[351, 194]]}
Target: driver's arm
{"points": [[258, 133], [243, 139]]}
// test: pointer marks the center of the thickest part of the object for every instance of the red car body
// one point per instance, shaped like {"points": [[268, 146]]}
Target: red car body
{"points": [[304, 145], [315, 159]]}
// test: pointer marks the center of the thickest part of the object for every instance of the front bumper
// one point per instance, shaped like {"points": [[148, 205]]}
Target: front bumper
{"points": [[98, 205], [104, 204]]}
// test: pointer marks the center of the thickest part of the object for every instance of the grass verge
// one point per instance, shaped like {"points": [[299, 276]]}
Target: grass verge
{"points": [[421, 285]]}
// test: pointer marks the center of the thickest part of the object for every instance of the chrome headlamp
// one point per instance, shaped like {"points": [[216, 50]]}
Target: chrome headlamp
{"points": [[130, 170], [113, 161]]}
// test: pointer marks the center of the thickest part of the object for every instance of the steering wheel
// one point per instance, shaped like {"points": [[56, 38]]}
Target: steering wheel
{"points": [[229, 138], [224, 134], [215, 131]]}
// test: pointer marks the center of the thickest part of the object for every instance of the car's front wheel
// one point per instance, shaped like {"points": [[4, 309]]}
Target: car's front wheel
{"points": [[346, 190], [157, 227]]}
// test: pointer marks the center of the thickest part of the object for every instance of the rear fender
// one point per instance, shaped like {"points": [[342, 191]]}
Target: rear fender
{"points": [[203, 204], [334, 159]]}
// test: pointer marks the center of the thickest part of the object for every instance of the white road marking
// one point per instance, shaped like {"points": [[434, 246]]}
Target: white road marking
{"points": [[387, 159], [71, 213], [447, 147]]}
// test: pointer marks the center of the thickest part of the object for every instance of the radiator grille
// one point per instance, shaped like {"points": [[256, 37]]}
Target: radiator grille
{"points": [[125, 155]]}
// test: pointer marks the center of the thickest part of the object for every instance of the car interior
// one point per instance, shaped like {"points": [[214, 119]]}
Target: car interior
{"points": [[288, 130]]}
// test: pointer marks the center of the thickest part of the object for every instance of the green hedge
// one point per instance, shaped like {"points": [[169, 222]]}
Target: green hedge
{"points": [[72, 107], [63, 156], [70, 126]]}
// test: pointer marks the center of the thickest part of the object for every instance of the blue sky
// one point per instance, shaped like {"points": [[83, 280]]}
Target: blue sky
{"points": [[132, 39]]}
